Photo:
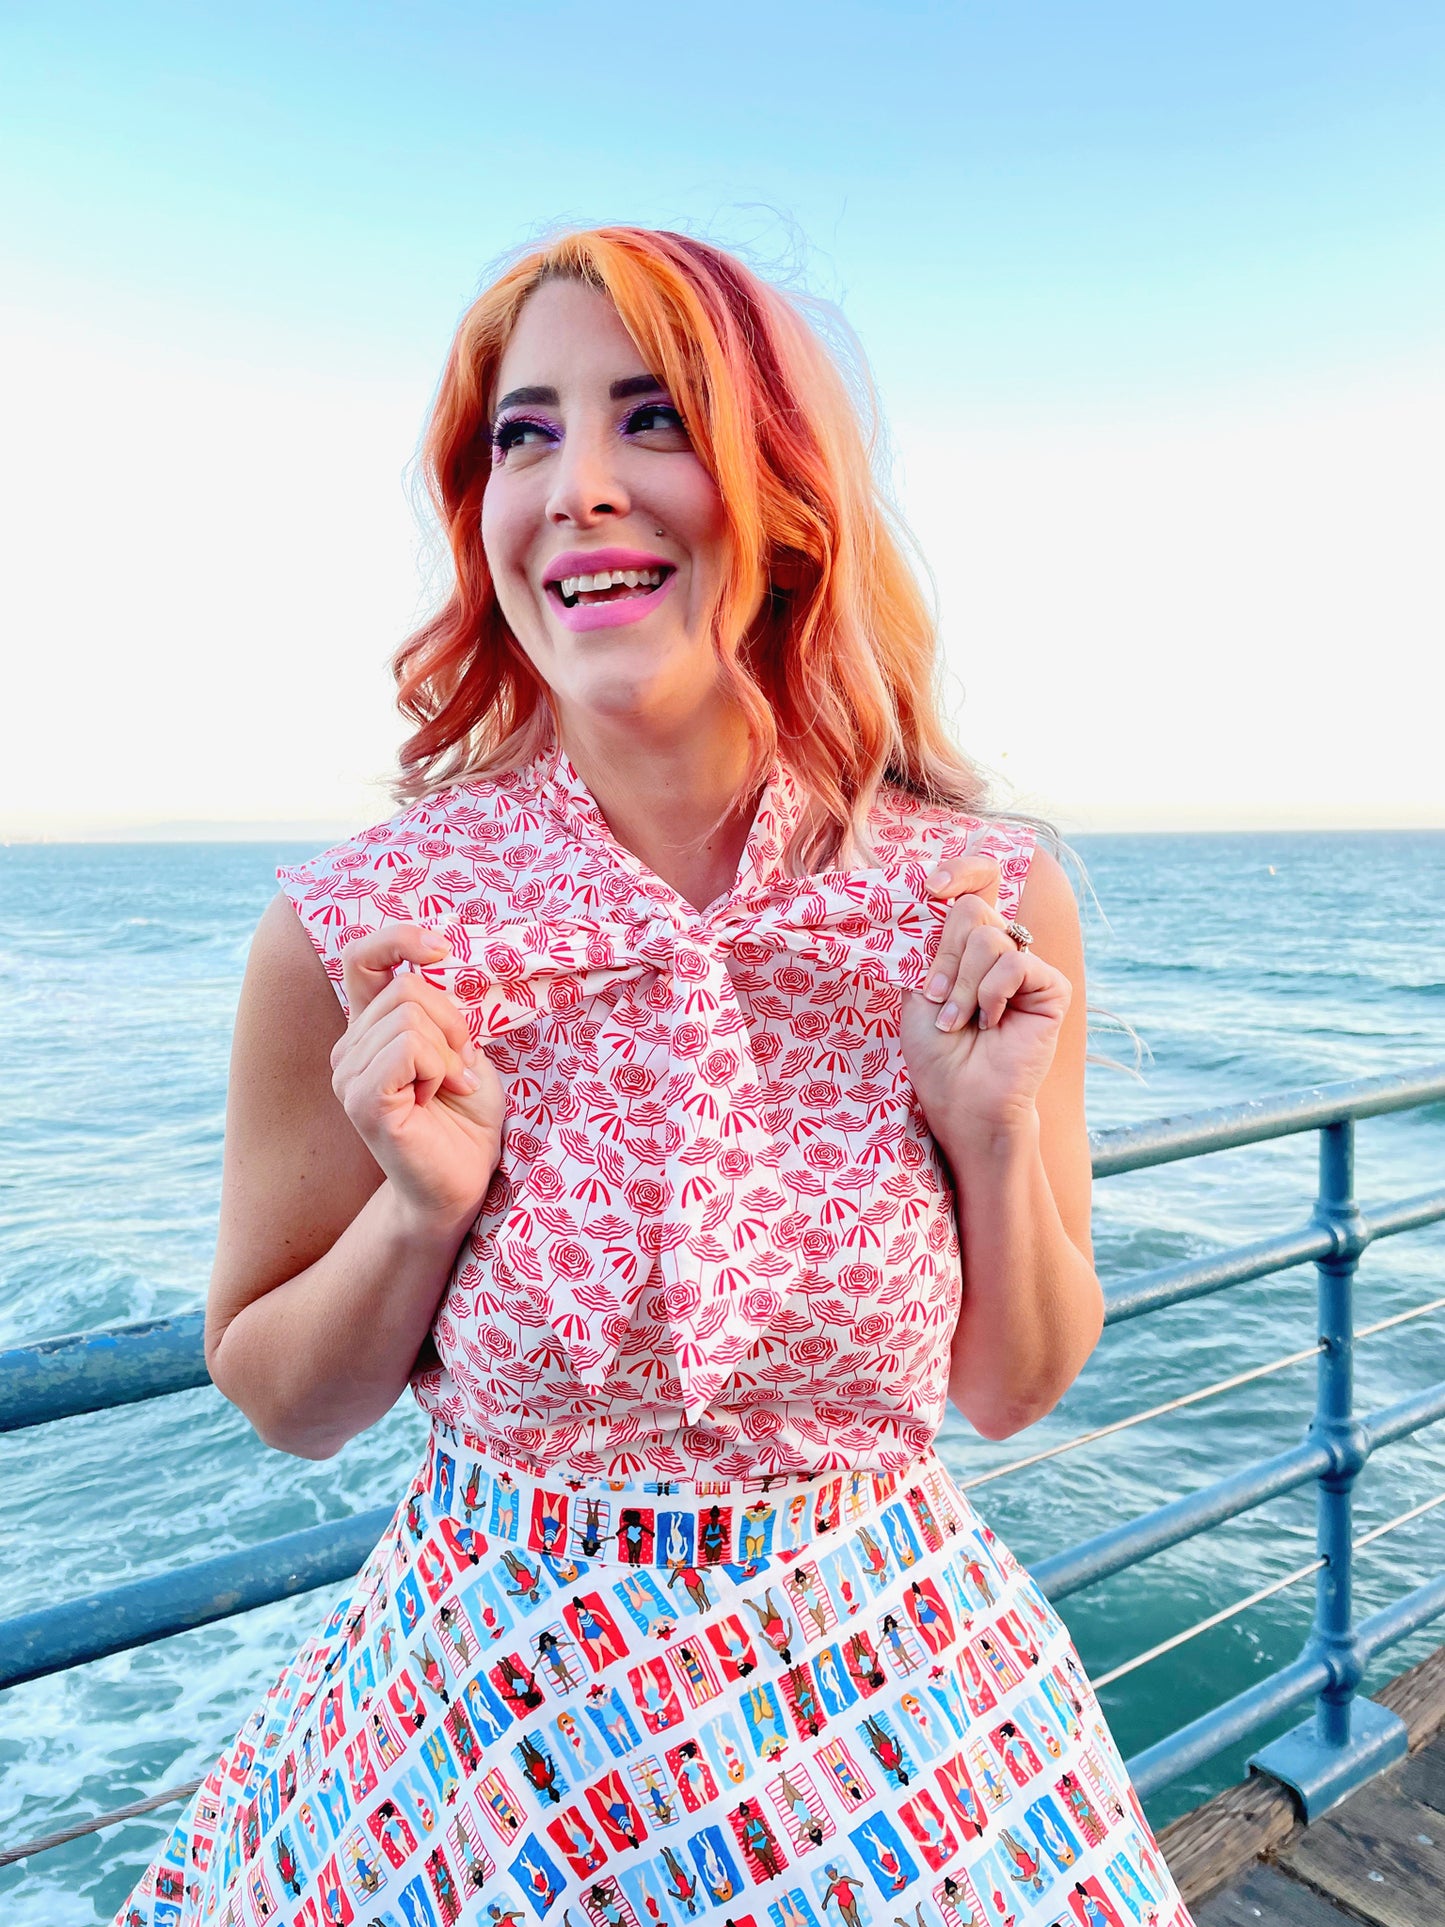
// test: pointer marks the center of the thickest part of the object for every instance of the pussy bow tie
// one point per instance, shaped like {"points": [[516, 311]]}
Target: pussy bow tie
{"points": [[676, 1087]]}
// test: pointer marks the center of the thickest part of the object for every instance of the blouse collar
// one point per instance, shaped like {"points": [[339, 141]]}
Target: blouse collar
{"points": [[561, 791]]}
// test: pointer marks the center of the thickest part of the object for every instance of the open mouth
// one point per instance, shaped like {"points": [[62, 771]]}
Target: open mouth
{"points": [[611, 585]]}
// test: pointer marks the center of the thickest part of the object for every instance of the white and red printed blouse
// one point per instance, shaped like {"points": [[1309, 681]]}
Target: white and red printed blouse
{"points": [[720, 1241]]}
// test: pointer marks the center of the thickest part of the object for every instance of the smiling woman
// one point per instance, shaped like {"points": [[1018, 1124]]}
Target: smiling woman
{"points": [[580, 454], [684, 1096]]}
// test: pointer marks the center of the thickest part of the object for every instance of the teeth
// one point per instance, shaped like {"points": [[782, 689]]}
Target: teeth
{"points": [[575, 585]]}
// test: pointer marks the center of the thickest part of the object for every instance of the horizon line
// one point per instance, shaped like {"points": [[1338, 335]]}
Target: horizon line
{"points": [[324, 833]]}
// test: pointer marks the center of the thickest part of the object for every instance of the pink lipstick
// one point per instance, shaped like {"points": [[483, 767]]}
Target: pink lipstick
{"points": [[627, 603]]}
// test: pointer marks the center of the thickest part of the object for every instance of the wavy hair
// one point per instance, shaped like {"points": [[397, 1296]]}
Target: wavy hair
{"points": [[822, 633]]}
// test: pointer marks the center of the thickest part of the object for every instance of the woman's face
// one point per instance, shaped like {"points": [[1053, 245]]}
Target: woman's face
{"points": [[592, 472]]}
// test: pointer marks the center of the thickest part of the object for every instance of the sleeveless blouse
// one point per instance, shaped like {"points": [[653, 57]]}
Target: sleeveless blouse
{"points": [[720, 1241]]}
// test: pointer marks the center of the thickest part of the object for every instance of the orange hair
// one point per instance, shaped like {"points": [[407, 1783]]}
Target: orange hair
{"points": [[822, 631]]}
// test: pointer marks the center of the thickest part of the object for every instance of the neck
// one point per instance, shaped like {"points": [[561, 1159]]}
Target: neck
{"points": [[672, 800]]}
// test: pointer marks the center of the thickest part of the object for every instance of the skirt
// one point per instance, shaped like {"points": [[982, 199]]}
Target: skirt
{"points": [[836, 1701]]}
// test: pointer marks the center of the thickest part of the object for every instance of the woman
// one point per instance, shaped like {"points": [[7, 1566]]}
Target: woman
{"points": [[692, 1048]]}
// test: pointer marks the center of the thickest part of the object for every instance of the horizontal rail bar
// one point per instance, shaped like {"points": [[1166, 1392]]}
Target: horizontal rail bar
{"points": [[1151, 1769], [1110, 1552], [1241, 1716], [1405, 1616], [92, 1371], [82, 1630], [1405, 1416], [1216, 1390], [1409, 1214], [1146, 1291], [1132, 1147], [72, 1634], [1254, 1485], [1265, 1592], [116, 1365], [57, 1637], [1236, 1720]]}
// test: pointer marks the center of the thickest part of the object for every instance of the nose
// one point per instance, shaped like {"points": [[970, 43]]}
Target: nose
{"points": [[586, 485]]}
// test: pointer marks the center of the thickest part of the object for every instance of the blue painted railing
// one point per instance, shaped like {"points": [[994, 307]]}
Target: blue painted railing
{"points": [[1347, 1739]]}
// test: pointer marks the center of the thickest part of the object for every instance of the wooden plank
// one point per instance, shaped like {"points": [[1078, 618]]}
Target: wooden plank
{"points": [[1418, 1696], [1207, 1847], [1266, 1895], [1380, 1853], [1422, 1778]]}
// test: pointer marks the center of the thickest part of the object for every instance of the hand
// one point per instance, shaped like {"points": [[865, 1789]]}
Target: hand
{"points": [[979, 1039], [428, 1105]]}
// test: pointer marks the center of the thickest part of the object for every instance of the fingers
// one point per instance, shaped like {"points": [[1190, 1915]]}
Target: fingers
{"points": [[970, 912], [990, 969], [367, 965], [440, 1056], [402, 1027], [409, 1063], [960, 876], [411, 989]]}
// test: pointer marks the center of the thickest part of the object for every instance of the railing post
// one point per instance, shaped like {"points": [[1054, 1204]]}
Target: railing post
{"points": [[1349, 1739], [1333, 1425]]}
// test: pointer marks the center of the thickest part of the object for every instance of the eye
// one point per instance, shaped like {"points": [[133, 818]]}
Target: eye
{"points": [[512, 433], [657, 417]]}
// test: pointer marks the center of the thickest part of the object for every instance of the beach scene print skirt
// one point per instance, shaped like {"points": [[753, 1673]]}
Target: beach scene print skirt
{"points": [[831, 1702]]}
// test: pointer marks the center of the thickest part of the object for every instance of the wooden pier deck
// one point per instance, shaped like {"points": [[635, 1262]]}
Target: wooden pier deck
{"points": [[1247, 1860]]}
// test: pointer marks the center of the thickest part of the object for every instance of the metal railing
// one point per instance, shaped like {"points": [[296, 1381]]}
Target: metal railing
{"points": [[1348, 1738]]}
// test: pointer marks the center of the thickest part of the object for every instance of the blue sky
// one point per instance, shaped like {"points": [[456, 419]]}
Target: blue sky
{"points": [[1042, 220]]}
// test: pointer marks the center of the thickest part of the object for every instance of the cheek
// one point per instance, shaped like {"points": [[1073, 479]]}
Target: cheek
{"points": [[503, 536], [699, 515]]}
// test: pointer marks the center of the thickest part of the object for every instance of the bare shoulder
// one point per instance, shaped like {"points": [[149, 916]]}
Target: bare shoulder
{"points": [[1050, 911], [295, 1172], [285, 970]]}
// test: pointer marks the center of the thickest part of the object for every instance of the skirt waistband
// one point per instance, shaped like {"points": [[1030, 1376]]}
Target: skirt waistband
{"points": [[669, 1524]]}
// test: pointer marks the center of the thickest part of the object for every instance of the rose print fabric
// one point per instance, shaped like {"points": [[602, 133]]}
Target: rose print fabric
{"points": [[681, 1619], [721, 1239]]}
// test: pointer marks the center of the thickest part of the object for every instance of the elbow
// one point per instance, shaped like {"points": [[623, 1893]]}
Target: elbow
{"points": [[299, 1445], [1000, 1411], [1003, 1422], [285, 1431], [279, 1430]]}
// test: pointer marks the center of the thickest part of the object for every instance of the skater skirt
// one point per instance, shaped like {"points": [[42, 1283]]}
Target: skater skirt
{"points": [[826, 1702]]}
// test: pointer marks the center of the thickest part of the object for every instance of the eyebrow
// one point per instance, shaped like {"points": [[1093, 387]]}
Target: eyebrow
{"points": [[547, 397]]}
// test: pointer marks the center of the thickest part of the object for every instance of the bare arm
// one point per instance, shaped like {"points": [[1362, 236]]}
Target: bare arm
{"points": [[335, 1245], [1032, 1305]]}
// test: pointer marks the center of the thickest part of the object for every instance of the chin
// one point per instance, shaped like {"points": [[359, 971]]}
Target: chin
{"points": [[650, 686]]}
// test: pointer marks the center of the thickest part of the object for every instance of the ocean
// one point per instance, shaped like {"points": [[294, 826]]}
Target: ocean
{"points": [[1248, 965]]}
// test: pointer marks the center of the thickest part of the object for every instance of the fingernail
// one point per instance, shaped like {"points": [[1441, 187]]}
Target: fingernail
{"points": [[937, 987], [469, 1082], [947, 1017], [937, 878], [982, 1018]]}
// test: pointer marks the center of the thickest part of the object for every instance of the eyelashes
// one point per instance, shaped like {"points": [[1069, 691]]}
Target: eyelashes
{"points": [[508, 433], [511, 432]]}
